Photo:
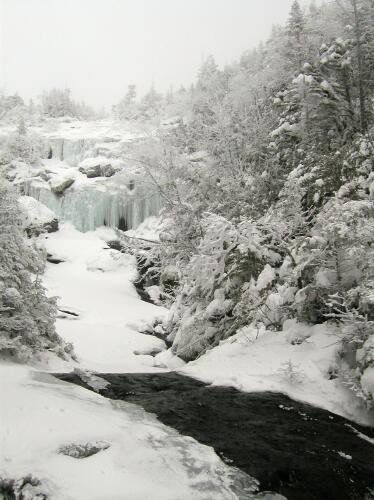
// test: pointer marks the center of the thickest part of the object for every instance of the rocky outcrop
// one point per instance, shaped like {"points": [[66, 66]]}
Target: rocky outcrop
{"points": [[83, 450], [36, 217], [59, 183], [99, 167]]}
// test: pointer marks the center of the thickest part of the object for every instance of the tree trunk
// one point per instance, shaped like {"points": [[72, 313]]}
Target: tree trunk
{"points": [[361, 90]]}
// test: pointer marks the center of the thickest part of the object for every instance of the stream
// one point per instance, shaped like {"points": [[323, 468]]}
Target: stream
{"points": [[294, 449]]}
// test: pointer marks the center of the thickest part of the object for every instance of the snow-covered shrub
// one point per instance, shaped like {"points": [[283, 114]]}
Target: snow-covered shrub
{"points": [[25, 146], [27, 487], [27, 316], [356, 333], [336, 257], [227, 259], [291, 372]]}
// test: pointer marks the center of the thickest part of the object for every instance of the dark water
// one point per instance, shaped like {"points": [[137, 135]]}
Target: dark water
{"points": [[291, 448]]}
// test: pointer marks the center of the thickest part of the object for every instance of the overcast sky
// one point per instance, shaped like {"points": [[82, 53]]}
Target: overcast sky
{"points": [[98, 47]]}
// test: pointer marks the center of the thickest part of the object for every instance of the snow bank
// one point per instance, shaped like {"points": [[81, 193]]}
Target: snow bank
{"points": [[137, 457], [149, 229], [299, 362], [34, 212]]}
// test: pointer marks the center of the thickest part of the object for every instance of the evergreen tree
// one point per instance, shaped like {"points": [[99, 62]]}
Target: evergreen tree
{"points": [[151, 103], [26, 315], [296, 36]]}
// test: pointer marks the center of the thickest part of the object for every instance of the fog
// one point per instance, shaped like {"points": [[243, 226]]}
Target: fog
{"points": [[98, 47]]}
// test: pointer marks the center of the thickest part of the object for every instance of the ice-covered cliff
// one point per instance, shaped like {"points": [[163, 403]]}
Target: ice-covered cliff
{"points": [[89, 177]]}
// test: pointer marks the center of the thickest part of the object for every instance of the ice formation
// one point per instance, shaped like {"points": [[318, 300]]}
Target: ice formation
{"points": [[122, 201], [94, 205], [71, 151]]}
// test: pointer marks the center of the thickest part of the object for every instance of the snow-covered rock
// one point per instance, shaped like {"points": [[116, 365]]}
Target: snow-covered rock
{"points": [[59, 183], [99, 167], [36, 217], [167, 359]]}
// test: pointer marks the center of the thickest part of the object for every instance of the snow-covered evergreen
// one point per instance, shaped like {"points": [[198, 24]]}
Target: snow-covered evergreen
{"points": [[27, 315]]}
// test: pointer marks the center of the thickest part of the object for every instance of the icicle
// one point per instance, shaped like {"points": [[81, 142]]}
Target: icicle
{"points": [[72, 151], [90, 207]]}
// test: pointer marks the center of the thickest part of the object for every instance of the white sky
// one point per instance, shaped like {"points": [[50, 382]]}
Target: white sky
{"points": [[97, 47]]}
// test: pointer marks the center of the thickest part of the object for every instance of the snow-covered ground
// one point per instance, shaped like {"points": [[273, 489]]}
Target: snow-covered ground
{"points": [[299, 362], [92, 129], [42, 419], [95, 283]]}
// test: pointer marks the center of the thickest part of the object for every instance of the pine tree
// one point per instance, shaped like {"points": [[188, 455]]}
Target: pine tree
{"points": [[126, 109], [151, 103], [359, 16], [21, 129], [296, 34]]}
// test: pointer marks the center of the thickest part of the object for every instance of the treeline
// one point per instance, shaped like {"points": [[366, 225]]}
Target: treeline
{"points": [[268, 188], [153, 106], [56, 103]]}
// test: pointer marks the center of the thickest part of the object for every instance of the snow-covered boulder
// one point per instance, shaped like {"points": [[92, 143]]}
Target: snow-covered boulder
{"points": [[91, 170], [60, 183], [99, 167], [171, 123], [36, 217]]}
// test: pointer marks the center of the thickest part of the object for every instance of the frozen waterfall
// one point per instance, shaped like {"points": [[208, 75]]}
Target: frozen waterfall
{"points": [[72, 151], [122, 199], [89, 207]]}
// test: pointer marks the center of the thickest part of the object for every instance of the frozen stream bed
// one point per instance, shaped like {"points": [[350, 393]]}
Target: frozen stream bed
{"points": [[100, 311]]}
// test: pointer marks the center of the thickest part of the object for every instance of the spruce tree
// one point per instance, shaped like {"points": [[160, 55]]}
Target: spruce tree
{"points": [[296, 34]]}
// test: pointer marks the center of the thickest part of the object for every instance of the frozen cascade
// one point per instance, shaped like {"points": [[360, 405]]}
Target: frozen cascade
{"points": [[122, 201], [89, 207], [72, 151]]}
